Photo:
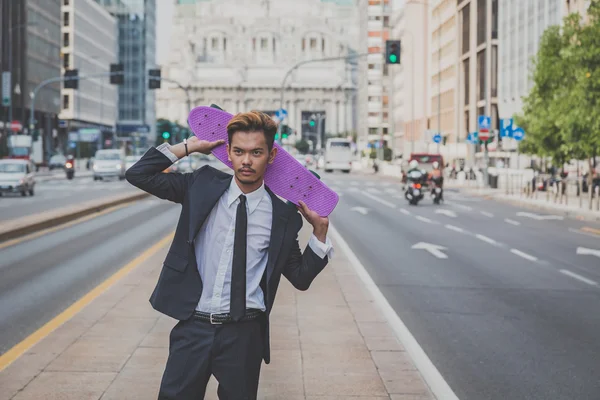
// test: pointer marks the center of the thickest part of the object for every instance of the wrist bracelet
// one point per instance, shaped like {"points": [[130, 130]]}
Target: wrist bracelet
{"points": [[185, 144]]}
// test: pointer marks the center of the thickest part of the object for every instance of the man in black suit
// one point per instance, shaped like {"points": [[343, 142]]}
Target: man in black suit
{"points": [[233, 241]]}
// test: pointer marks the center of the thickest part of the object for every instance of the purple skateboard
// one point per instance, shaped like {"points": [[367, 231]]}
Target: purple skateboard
{"points": [[286, 177]]}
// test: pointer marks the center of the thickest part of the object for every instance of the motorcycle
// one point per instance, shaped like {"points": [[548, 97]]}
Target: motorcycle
{"points": [[436, 191], [414, 193], [70, 169]]}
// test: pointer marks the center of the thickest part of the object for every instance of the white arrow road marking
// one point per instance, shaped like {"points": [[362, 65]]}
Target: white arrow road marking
{"points": [[434, 249], [585, 251], [449, 213], [539, 217], [455, 228], [579, 277], [360, 210], [384, 202], [404, 211], [524, 255], [487, 214], [424, 219], [512, 222], [486, 239]]}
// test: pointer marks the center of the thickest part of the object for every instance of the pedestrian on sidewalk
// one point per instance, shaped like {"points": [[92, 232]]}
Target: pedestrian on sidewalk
{"points": [[234, 240]]}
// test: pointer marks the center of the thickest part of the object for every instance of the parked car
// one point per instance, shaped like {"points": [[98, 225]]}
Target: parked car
{"points": [[17, 176]]}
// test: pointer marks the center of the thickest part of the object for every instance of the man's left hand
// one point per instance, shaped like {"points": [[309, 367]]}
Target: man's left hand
{"points": [[319, 224]]}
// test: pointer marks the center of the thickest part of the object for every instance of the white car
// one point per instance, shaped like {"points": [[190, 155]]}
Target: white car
{"points": [[130, 160], [17, 176], [109, 163]]}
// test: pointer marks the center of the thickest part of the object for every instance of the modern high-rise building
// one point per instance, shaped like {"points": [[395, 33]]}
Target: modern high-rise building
{"points": [[89, 45], [521, 27], [136, 21], [411, 79], [30, 50], [478, 61], [374, 112]]}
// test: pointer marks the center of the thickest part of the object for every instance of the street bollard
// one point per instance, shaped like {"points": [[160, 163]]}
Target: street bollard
{"points": [[580, 192], [597, 198], [591, 196]]}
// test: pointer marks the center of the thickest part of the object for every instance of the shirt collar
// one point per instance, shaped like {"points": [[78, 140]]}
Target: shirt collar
{"points": [[252, 199]]}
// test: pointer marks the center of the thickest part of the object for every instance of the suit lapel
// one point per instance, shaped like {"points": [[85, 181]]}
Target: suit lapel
{"points": [[278, 226], [203, 198]]}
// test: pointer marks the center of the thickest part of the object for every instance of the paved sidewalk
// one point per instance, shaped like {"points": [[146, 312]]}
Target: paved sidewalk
{"points": [[328, 343]]}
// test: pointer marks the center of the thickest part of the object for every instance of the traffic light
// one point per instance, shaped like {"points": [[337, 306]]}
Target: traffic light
{"points": [[117, 74], [154, 79], [392, 52], [166, 135], [285, 131], [312, 122], [71, 79]]}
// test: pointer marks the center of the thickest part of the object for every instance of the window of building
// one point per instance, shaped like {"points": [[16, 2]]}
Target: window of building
{"points": [[215, 43], [65, 19], [481, 75], [494, 71], [303, 44], [465, 23], [274, 48], [323, 45], [467, 123], [313, 43], [65, 102], [494, 19], [224, 44], [66, 60], [386, 22], [466, 80], [481, 21], [65, 39], [264, 43], [66, 2], [254, 44]]}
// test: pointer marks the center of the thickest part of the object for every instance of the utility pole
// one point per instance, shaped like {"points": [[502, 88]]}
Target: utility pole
{"points": [[439, 119]]}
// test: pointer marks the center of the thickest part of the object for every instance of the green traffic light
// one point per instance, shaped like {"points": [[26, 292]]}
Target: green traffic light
{"points": [[393, 58], [312, 123], [166, 135]]}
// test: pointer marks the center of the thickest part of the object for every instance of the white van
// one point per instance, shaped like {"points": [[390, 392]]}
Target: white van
{"points": [[109, 163], [338, 155]]}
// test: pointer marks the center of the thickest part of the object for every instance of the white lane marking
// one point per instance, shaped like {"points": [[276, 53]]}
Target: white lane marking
{"points": [[486, 239], [512, 222], [373, 190], [524, 255], [424, 219], [448, 213], [579, 277], [573, 230], [404, 211], [434, 249], [487, 214], [360, 210], [588, 252], [431, 375], [455, 228], [384, 202], [391, 190], [539, 217], [466, 208]]}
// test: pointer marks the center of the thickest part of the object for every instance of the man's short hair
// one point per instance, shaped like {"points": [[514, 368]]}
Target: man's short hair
{"points": [[253, 121]]}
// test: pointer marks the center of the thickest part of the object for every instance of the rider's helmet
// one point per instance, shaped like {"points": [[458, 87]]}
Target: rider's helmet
{"points": [[413, 164], [436, 165]]}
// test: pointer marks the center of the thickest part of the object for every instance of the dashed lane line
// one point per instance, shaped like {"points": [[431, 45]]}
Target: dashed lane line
{"points": [[524, 255], [384, 202], [512, 222], [579, 277]]}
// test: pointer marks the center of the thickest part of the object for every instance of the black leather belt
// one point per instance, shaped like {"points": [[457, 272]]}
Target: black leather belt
{"points": [[225, 318]]}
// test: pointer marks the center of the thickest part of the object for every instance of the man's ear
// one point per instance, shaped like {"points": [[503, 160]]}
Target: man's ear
{"points": [[228, 157], [272, 155]]}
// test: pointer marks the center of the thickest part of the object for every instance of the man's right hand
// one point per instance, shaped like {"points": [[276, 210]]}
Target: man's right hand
{"points": [[195, 145]]}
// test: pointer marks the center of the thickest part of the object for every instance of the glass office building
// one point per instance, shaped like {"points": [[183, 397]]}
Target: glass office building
{"points": [[137, 51]]}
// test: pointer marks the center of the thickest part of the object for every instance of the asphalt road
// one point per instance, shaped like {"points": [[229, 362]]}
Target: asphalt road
{"points": [[42, 277], [505, 308], [59, 193]]}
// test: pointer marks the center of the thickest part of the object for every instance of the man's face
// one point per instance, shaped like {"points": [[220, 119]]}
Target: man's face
{"points": [[249, 154]]}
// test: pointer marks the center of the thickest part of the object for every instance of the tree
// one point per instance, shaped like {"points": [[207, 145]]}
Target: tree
{"points": [[302, 146]]}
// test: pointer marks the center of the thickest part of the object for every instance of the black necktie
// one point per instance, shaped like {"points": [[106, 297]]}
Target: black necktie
{"points": [[238, 271]]}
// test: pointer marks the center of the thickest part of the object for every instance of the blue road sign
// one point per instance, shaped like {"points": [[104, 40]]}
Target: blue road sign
{"points": [[506, 127], [281, 113], [484, 122], [472, 138], [518, 134], [437, 138]]}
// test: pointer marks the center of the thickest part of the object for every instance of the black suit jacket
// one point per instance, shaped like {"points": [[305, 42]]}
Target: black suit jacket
{"points": [[179, 286]]}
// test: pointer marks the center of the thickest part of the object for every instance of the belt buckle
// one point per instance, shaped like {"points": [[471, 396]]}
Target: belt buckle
{"points": [[214, 322]]}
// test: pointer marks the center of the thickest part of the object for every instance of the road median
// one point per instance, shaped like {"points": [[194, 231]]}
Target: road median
{"points": [[32, 223]]}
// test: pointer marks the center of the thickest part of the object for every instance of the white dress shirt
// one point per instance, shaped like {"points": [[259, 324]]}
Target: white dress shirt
{"points": [[214, 246]]}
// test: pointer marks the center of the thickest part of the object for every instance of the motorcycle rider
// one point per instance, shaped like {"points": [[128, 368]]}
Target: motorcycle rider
{"points": [[437, 178], [414, 173]]}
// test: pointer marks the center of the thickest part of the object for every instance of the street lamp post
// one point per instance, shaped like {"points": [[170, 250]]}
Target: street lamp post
{"points": [[10, 65]]}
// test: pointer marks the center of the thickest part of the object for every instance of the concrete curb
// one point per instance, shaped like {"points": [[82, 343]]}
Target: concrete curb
{"points": [[22, 226], [61, 177]]}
